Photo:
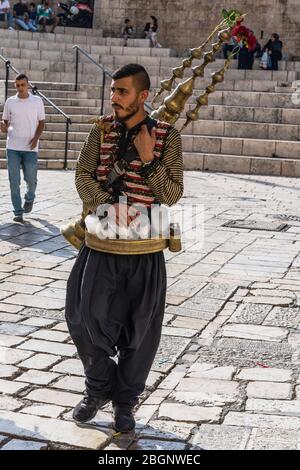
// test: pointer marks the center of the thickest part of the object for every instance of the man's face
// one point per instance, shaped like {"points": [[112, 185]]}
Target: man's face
{"points": [[21, 87], [126, 101]]}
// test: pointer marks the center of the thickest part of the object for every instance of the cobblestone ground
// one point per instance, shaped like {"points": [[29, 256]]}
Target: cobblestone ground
{"points": [[227, 372]]}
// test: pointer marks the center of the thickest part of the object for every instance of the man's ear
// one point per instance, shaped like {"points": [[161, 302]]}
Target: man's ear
{"points": [[144, 95]]}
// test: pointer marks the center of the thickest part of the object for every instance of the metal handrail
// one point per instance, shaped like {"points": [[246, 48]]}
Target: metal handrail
{"points": [[104, 73], [35, 91]]}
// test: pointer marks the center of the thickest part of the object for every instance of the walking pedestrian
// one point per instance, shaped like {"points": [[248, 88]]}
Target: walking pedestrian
{"points": [[23, 121]]}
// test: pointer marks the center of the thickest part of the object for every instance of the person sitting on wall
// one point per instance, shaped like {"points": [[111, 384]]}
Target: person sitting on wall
{"points": [[6, 11], [46, 17], [274, 49], [20, 12], [153, 32], [127, 31], [32, 14], [147, 30]]}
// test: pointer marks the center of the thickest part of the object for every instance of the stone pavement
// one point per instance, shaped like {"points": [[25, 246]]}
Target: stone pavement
{"points": [[227, 372]]}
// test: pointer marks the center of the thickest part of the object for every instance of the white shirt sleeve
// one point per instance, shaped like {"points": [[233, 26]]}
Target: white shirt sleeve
{"points": [[41, 112], [4, 5], [5, 115]]}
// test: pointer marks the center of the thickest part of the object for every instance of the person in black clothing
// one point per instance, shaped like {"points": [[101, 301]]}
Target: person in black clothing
{"points": [[20, 10], [246, 57], [127, 31], [274, 48], [147, 30]]}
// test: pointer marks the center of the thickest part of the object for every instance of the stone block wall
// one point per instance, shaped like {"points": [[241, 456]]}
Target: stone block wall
{"points": [[186, 23]]}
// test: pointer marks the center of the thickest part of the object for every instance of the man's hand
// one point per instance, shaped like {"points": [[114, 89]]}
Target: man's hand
{"points": [[3, 127], [33, 143], [145, 143]]}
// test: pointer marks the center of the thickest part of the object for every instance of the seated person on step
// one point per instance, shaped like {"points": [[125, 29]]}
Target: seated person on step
{"points": [[45, 17], [20, 13], [5, 13]]}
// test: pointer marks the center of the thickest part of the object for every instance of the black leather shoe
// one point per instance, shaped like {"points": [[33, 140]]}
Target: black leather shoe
{"points": [[19, 218], [27, 207], [88, 407], [123, 417]]}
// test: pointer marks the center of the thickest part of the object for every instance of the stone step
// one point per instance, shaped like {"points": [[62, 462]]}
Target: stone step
{"points": [[218, 113], [73, 34], [66, 63], [241, 164], [58, 30], [278, 132], [252, 130], [252, 100], [233, 85], [49, 86], [210, 144], [95, 45], [53, 146], [65, 72], [54, 163], [247, 99], [78, 132], [242, 146], [203, 162], [228, 85], [96, 80], [106, 47], [59, 127], [282, 64], [251, 114], [49, 153], [69, 110]]}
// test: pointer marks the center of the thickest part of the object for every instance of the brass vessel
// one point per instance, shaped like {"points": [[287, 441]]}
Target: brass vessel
{"points": [[173, 105]]}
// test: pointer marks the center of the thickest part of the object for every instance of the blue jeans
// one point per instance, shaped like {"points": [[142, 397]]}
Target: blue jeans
{"points": [[17, 159], [27, 26], [9, 18]]}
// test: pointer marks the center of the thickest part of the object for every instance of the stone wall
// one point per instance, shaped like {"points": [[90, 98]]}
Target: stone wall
{"points": [[185, 23]]}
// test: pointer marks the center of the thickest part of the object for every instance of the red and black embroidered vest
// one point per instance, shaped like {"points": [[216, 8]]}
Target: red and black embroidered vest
{"points": [[135, 187]]}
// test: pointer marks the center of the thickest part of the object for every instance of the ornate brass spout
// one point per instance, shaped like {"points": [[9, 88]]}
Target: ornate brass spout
{"points": [[202, 100], [174, 104], [178, 72]]}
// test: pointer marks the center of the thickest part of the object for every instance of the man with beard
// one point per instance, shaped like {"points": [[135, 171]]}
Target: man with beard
{"points": [[116, 290]]}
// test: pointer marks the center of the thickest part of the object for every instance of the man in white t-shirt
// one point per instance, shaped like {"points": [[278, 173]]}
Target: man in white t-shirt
{"points": [[6, 10], [23, 121]]}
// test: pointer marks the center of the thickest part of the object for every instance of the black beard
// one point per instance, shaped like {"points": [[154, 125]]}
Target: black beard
{"points": [[132, 110]]}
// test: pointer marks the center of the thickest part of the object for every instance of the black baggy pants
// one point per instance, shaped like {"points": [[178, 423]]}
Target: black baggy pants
{"points": [[115, 305]]}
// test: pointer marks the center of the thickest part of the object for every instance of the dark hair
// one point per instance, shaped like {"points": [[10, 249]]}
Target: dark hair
{"points": [[276, 36], [134, 70], [127, 20], [32, 5], [154, 18], [22, 76]]}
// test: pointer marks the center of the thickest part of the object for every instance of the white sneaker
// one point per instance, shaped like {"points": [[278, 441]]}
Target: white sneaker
{"points": [[11, 29]]}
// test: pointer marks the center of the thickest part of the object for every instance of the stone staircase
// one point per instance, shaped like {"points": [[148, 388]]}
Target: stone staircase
{"points": [[250, 126]]}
